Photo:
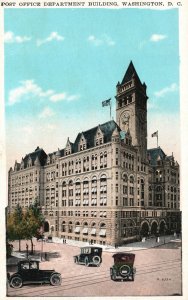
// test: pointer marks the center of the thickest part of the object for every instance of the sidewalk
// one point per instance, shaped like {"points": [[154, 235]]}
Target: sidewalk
{"points": [[147, 244]]}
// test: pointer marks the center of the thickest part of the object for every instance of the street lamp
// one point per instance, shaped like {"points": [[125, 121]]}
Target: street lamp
{"points": [[41, 232], [41, 249], [165, 228]]}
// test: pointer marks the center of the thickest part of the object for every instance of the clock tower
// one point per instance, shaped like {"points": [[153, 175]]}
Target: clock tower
{"points": [[131, 109]]}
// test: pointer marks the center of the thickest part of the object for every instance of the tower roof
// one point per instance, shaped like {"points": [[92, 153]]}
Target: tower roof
{"points": [[131, 71]]}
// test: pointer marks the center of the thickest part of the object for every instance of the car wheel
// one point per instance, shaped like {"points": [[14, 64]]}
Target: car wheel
{"points": [[55, 279], [124, 271], [113, 276], [86, 261], [96, 260], [16, 282]]}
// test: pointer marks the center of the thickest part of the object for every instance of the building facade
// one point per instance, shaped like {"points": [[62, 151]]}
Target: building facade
{"points": [[106, 187]]}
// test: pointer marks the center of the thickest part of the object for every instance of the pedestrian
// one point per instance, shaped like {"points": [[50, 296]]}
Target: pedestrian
{"points": [[27, 250], [174, 234], [158, 239], [45, 256], [65, 241]]}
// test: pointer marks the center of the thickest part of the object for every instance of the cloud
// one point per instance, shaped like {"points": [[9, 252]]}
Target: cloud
{"points": [[54, 36], [28, 129], [169, 89], [63, 96], [47, 112], [27, 88], [104, 40], [10, 37], [30, 89], [51, 127], [157, 37]]}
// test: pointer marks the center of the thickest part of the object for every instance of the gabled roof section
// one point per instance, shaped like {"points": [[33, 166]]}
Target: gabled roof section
{"points": [[38, 153], [131, 71], [155, 155], [106, 128], [69, 143]]}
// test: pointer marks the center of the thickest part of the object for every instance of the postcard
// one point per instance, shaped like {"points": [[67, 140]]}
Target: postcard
{"points": [[93, 149]]}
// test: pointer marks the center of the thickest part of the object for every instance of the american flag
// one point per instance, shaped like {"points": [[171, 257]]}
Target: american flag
{"points": [[155, 134], [106, 102]]}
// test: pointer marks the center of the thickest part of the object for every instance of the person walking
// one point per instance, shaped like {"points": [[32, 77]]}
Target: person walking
{"points": [[27, 252]]}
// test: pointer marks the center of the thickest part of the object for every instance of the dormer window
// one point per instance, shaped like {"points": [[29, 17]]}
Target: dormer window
{"points": [[48, 160], [99, 138], [68, 148], [29, 164], [82, 143], [22, 165]]}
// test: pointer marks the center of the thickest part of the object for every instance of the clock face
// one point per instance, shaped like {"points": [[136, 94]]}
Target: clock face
{"points": [[126, 117]]}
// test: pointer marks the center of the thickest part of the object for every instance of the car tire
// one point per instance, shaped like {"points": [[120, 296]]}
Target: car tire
{"points": [[16, 282], [124, 271], [96, 260], [113, 276], [86, 261], [55, 279]]}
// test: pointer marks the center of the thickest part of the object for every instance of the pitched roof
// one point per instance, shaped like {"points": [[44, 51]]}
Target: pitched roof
{"points": [[106, 128], [155, 154], [39, 152], [131, 71]]}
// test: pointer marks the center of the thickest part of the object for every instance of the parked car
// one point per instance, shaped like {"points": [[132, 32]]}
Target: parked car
{"points": [[28, 272], [123, 266], [89, 256]]}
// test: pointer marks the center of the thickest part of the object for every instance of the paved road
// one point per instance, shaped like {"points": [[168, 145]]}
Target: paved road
{"points": [[158, 273]]}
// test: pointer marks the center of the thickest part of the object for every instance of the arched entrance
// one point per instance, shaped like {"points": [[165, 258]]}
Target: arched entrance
{"points": [[162, 227], [46, 226], [144, 229], [154, 228]]}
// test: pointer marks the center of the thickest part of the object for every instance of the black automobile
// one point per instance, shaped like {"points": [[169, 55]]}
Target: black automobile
{"points": [[89, 256], [28, 272], [123, 266]]}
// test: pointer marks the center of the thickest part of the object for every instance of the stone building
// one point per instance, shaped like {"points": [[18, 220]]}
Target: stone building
{"points": [[106, 187]]}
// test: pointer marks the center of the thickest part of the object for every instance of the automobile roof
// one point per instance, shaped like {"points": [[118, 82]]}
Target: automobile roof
{"points": [[29, 261], [92, 247], [123, 254]]}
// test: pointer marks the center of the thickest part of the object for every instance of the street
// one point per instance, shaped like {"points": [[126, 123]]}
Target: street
{"points": [[158, 273]]}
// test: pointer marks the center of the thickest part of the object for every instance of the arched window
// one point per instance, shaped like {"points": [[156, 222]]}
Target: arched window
{"points": [[63, 226], [70, 227], [102, 231], [131, 179], [125, 177]]}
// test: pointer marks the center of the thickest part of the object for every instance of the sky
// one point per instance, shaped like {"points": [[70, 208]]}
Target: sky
{"points": [[60, 64]]}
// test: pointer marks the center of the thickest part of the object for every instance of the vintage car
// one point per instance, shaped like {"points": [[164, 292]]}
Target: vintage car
{"points": [[28, 272], [123, 266], [89, 256]]}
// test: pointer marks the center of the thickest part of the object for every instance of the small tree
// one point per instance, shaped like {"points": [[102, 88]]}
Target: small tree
{"points": [[15, 225], [33, 222]]}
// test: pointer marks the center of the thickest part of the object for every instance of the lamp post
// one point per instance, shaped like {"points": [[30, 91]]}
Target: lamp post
{"points": [[165, 227], [41, 232]]}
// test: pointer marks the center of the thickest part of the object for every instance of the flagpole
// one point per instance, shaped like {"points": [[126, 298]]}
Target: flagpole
{"points": [[110, 110]]}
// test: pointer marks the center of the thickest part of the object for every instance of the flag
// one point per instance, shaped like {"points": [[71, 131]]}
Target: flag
{"points": [[106, 102], [155, 134]]}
